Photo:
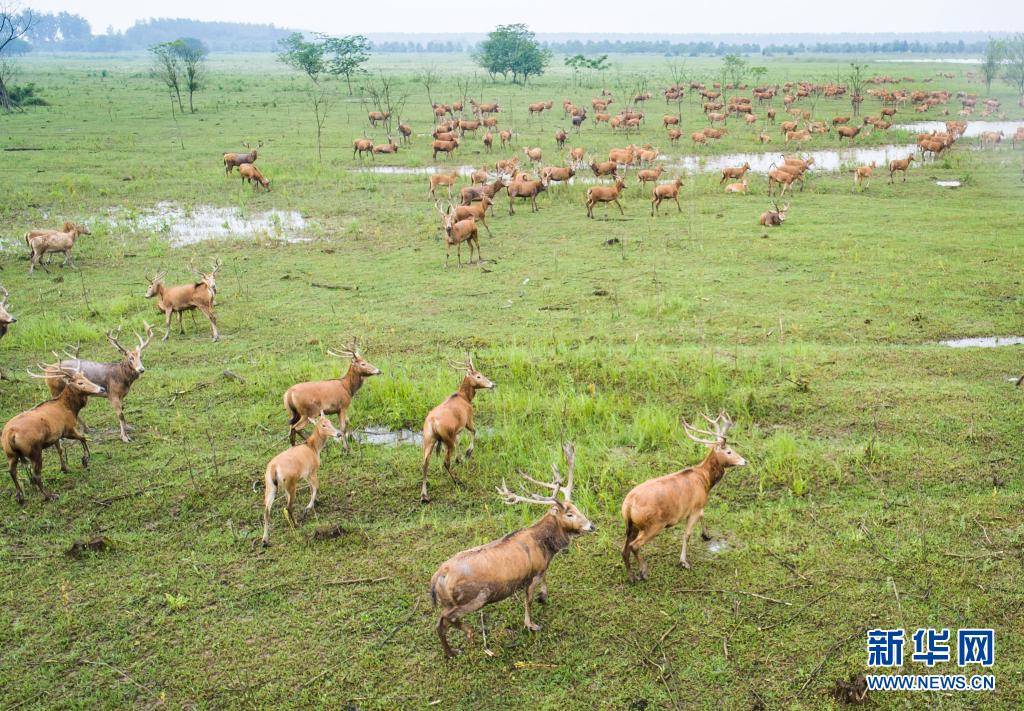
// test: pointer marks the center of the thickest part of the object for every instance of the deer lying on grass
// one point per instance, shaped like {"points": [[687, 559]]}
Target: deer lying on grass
{"points": [[437, 180], [444, 423], [252, 175], [734, 173], [665, 501], [46, 241], [172, 300], [115, 378], [234, 160], [304, 401], [605, 194], [361, 146], [900, 164], [492, 572], [476, 212], [457, 232], [862, 175], [25, 436], [385, 148], [740, 187], [526, 190], [6, 318], [668, 191], [300, 462], [774, 217]]}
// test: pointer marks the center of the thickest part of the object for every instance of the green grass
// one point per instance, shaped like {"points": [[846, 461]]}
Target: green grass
{"points": [[884, 486]]}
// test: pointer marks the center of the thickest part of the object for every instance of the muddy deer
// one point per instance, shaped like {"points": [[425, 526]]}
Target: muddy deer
{"points": [[172, 300], [252, 175], [774, 217], [115, 378], [605, 194], [444, 423], [299, 462], [25, 436], [497, 570], [6, 317], [304, 401], [900, 164], [234, 160], [46, 241], [659, 503], [669, 191]]}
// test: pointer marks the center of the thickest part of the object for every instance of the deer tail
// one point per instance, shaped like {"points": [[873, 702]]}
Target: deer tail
{"points": [[291, 408]]}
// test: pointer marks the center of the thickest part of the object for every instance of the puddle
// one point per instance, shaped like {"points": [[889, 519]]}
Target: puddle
{"points": [[984, 342], [406, 170], [974, 128], [948, 183], [384, 437], [205, 222], [717, 545], [830, 160], [922, 60]]}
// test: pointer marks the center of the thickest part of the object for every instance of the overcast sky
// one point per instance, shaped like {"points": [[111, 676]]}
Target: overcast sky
{"points": [[592, 16]]}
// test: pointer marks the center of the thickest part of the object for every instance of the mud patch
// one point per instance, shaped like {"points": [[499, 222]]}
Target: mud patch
{"points": [[99, 544], [383, 437], [206, 222]]}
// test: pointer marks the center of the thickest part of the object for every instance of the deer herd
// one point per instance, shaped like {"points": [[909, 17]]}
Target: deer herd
{"points": [[518, 561]]}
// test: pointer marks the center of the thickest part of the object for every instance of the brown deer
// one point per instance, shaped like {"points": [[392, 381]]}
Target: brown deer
{"points": [[669, 191], [234, 160], [476, 193], [388, 148], [734, 173], [605, 194], [444, 423], [608, 167], [534, 154], [649, 175], [557, 174], [304, 401], [658, 503], [849, 132], [446, 147], [900, 164], [457, 232], [560, 138], [778, 176], [488, 142], [300, 462], [740, 187], [476, 212], [378, 116], [774, 217], [6, 318], [361, 146], [497, 570], [436, 180], [172, 300], [404, 132], [115, 378], [526, 190], [252, 175], [45, 241], [25, 436], [862, 175]]}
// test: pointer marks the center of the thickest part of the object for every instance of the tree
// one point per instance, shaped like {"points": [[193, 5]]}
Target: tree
{"points": [[347, 55], [991, 64], [427, 78], [167, 68], [192, 54], [310, 58], [734, 69], [381, 95], [855, 84], [13, 26], [512, 49], [1013, 64]]}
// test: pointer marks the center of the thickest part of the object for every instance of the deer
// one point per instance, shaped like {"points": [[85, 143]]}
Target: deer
{"points": [[304, 401], [534, 154], [649, 175], [560, 138], [444, 423], [526, 190], [578, 119], [479, 176], [446, 147], [6, 317], [436, 180], [404, 132], [608, 167], [605, 194], [45, 241], [799, 136], [669, 191], [783, 178], [774, 217], [849, 132], [497, 570], [505, 137], [252, 175], [115, 378], [475, 212], [299, 462], [457, 232], [378, 116], [740, 187], [862, 175], [361, 146], [557, 174], [764, 138], [658, 503], [477, 193], [734, 173], [674, 134], [26, 435], [669, 121], [900, 164], [172, 300], [388, 148], [488, 142], [234, 160]]}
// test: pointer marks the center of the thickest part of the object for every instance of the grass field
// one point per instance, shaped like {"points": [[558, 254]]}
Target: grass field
{"points": [[884, 488]]}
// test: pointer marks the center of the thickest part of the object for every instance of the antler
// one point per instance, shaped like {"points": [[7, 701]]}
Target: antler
{"points": [[721, 426], [555, 485], [3, 296], [149, 337], [216, 267], [69, 351], [115, 343], [350, 351]]}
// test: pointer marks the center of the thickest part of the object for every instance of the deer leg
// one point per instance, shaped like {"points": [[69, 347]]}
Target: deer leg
{"points": [[542, 596], [704, 528], [449, 448], [63, 458], [343, 428], [289, 511], [678, 206], [530, 625], [208, 312], [297, 428], [428, 444], [181, 325], [686, 537], [269, 493], [167, 325], [19, 495], [471, 428], [37, 475], [314, 486], [619, 205], [74, 434], [115, 402]]}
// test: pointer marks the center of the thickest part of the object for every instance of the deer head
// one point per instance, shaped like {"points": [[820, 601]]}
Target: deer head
{"points": [[715, 440], [569, 518], [359, 364]]}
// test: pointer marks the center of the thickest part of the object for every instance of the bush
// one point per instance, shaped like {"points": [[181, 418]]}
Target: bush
{"points": [[26, 96]]}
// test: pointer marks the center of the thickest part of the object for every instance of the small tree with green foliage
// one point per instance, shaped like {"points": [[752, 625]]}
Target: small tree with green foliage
{"points": [[192, 54], [345, 55], [512, 49], [990, 65], [168, 70], [855, 85], [310, 58]]}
